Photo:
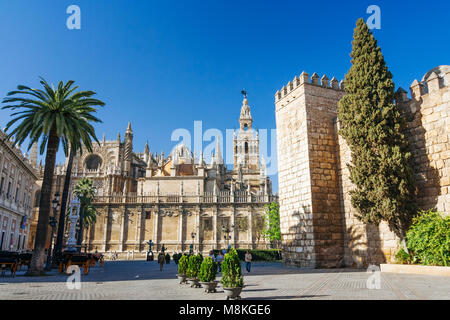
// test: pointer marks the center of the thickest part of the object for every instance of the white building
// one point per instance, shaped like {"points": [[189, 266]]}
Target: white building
{"points": [[17, 187]]}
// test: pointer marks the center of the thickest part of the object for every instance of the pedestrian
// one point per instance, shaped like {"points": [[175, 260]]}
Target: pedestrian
{"points": [[248, 260], [211, 255], [161, 261], [219, 260]]}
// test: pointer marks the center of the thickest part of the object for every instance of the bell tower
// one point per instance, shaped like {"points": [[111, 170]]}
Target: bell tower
{"points": [[246, 143]]}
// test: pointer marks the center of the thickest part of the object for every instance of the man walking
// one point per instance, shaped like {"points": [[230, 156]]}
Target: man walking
{"points": [[161, 261], [248, 260]]}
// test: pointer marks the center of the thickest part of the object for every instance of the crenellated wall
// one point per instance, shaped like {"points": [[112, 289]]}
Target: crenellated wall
{"points": [[318, 223], [308, 186]]}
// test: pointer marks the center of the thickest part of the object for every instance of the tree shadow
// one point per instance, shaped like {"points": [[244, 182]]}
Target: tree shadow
{"points": [[427, 178]]}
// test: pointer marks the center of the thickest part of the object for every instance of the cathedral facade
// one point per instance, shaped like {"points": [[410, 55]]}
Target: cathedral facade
{"points": [[178, 201]]}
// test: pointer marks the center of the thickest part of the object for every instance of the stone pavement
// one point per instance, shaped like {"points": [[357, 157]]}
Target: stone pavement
{"points": [[267, 281]]}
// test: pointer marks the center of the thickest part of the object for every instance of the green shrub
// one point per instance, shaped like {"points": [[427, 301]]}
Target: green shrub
{"points": [[176, 257], [428, 238], [258, 255], [403, 257], [208, 270], [231, 270], [183, 264], [194, 264]]}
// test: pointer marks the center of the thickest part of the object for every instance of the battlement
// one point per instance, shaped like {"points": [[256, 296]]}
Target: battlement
{"points": [[304, 79], [434, 80]]}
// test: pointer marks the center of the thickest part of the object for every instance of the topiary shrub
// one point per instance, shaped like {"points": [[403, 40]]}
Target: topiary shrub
{"points": [[231, 270], [194, 264], [428, 238], [261, 255], [176, 257], [183, 265], [208, 270]]}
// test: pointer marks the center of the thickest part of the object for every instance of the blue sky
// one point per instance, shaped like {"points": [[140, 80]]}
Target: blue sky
{"points": [[164, 64]]}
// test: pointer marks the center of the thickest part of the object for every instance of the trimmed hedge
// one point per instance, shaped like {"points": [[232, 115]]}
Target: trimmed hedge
{"points": [[258, 255]]}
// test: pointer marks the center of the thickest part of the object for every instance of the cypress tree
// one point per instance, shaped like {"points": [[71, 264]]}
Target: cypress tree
{"points": [[373, 127]]}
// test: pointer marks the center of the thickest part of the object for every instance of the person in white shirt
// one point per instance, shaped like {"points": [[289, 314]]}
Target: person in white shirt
{"points": [[248, 260]]}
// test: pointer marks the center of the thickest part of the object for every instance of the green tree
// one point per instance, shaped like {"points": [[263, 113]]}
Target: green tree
{"points": [[85, 191], [372, 125], [51, 116], [272, 223], [231, 270]]}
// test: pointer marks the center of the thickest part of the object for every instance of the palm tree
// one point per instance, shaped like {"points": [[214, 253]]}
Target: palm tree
{"points": [[51, 116], [85, 191]]}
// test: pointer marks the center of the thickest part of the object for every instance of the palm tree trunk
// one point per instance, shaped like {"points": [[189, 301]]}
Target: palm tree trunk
{"points": [[37, 260], [62, 213]]}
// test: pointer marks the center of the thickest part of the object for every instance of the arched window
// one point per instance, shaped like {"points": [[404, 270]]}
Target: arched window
{"points": [[246, 147], [93, 162]]}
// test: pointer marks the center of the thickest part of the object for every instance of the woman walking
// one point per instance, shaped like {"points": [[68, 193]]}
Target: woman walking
{"points": [[248, 260]]}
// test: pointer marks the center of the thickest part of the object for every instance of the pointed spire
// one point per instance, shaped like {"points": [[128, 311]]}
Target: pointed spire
{"points": [[218, 154], [104, 138], [129, 128], [34, 155], [245, 119], [118, 137], [146, 148]]}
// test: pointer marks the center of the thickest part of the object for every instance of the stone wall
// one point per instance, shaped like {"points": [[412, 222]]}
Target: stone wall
{"points": [[318, 223], [309, 206], [129, 227], [364, 244], [428, 115]]}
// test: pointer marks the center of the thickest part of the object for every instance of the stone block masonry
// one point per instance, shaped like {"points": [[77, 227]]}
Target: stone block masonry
{"points": [[318, 223]]}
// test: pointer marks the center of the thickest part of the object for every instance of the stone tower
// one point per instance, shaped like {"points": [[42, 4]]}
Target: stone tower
{"points": [[34, 155], [311, 223], [246, 143], [128, 149]]}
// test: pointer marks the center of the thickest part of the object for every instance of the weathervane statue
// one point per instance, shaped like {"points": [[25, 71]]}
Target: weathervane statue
{"points": [[244, 93]]}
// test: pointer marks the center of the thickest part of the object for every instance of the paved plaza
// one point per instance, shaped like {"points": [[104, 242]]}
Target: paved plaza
{"points": [[267, 281]]}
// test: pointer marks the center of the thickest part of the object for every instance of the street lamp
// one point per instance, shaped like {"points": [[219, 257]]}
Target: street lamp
{"points": [[227, 236], [52, 223], [193, 234]]}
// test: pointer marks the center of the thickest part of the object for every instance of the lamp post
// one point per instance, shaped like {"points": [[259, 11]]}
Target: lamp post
{"points": [[52, 223], [227, 236], [193, 234]]}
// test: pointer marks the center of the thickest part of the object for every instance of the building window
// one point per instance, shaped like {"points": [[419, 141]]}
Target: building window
{"points": [[1, 185], [93, 162], [207, 224], [246, 147], [8, 194], [16, 198], [148, 215]]}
